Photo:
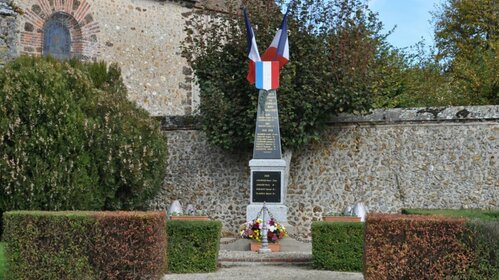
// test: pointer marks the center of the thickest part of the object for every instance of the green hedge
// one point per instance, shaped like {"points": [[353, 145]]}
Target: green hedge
{"points": [[485, 215], [482, 240], [193, 246], [2, 260], [337, 246], [84, 245]]}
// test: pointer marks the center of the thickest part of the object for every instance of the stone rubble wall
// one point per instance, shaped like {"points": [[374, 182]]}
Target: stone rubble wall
{"points": [[389, 160], [142, 36], [8, 32]]}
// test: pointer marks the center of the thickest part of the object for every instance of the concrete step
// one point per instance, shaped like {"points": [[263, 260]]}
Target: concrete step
{"points": [[248, 258], [288, 244]]}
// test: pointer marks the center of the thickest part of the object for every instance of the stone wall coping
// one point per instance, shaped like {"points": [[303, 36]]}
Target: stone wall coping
{"points": [[267, 163], [218, 6], [378, 116], [429, 114]]}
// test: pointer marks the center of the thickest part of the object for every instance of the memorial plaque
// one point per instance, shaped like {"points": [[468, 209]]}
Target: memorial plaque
{"points": [[267, 137], [266, 186]]}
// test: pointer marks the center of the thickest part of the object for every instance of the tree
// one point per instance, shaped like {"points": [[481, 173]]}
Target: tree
{"points": [[334, 47], [467, 39], [70, 139]]}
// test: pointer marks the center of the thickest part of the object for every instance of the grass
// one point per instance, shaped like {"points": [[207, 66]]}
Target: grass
{"points": [[484, 215], [2, 260]]}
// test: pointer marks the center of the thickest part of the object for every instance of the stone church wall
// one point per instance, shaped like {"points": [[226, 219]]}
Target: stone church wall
{"points": [[143, 36], [8, 32], [391, 159]]}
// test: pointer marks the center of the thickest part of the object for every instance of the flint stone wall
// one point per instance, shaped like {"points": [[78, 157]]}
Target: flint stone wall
{"points": [[390, 159], [8, 32]]}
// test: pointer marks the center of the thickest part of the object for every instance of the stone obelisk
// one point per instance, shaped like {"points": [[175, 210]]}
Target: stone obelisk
{"points": [[267, 166]]}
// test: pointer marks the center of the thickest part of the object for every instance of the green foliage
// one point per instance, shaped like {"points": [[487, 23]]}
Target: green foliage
{"points": [[416, 79], [334, 48], [69, 139], [467, 39], [84, 245], [193, 246], [461, 69], [463, 26], [484, 215], [48, 246], [483, 241], [2, 260], [337, 246]]}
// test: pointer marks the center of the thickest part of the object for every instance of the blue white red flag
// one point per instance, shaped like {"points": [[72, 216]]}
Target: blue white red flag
{"points": [[279, 48], [253, 53], [267, 75]]}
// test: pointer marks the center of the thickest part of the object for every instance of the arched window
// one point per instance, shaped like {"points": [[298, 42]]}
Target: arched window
{"points": [[56, 38]]}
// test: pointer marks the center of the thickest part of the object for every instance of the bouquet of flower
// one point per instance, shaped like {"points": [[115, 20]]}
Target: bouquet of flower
{"points": [[253, 230]]}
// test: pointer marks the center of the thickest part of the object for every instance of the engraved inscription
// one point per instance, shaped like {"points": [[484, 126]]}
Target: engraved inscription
{"points": [[267, 138], [266, 186]]}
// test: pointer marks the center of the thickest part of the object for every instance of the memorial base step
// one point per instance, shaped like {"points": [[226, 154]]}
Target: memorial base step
{"points": [[247, 258]]}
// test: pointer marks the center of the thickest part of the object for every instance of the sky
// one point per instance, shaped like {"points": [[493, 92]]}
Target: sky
{"points": [[412, 18]]}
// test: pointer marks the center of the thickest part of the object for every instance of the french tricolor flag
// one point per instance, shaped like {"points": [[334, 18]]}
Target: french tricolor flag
{"points": [[253, 53], [279, 48], [267, 75]]}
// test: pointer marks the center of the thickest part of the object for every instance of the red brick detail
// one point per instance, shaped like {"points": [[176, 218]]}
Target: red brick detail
{"points": [[46, 9], [83, 31]]}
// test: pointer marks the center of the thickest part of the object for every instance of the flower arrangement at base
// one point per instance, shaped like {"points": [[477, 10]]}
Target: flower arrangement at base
{"points": [[253, 230]]}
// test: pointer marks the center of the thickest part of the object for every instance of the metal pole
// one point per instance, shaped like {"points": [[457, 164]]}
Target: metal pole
{"points": [[265, 242]]}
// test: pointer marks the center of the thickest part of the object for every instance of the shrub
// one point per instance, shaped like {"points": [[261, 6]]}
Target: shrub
{"points": [[337, 246], [85, 245], [41, 245], [484, 215], [481, 238], [335, 67], [70, 140], [483, 241], [130, 245], [414, 247], [2, 260], [193, 246]]}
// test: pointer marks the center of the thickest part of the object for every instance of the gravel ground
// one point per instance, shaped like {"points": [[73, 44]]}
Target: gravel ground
{"points": [[268, 273]]}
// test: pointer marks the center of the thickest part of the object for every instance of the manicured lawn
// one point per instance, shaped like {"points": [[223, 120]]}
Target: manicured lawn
{"points": [[2, 260], [486, 215]]}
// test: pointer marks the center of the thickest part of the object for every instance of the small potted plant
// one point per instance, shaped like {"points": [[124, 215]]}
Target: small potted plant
{"points": [[253, 230]]}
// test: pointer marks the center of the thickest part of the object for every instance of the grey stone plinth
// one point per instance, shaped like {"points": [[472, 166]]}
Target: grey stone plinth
{"points": [[267, 164], [278, 211], [270, 165]]}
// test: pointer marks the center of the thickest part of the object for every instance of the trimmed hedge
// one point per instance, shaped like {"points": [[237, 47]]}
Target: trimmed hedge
{"points": [[429, 247], [2, 260], [41, 245], [482, 239], [485, 215], [193, 246], [130, 245], [84, 245], [337, 246]]}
